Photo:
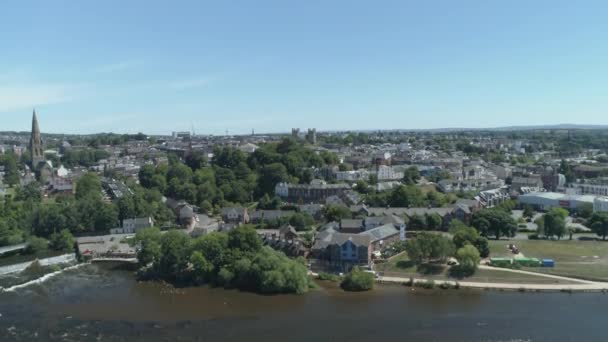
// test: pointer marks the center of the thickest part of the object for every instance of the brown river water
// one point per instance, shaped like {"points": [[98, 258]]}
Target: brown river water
{"points": [[95, 303]]}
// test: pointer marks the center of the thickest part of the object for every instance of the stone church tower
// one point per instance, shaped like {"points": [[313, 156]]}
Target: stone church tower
{"points": [[36, 144]]}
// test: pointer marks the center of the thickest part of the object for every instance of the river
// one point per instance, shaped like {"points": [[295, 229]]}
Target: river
{"points": [[95, 303]]}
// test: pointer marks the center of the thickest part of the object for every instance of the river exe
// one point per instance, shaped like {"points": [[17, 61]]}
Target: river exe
{"points": [[94, 303]]}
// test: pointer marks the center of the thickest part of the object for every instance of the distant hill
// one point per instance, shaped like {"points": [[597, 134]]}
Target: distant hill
{"points": [[437, 130], [505, 128]]}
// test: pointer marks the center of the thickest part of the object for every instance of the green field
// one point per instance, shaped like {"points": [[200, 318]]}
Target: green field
{"points": [[401, 266], [580, 259]]}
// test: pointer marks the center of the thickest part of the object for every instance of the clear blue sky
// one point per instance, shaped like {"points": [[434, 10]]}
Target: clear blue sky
{"points": [[158, 66]]}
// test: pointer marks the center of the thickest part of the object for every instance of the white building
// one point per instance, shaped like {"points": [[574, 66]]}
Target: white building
{"points": [[590, 189], [352, 176], [548, 200], [131, 226], [62, 172], [387, 173], [600, 204]]}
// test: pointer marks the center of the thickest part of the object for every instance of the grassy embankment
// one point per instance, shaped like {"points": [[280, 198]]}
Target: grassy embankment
{"points": [[578, 259], [401, 266]]}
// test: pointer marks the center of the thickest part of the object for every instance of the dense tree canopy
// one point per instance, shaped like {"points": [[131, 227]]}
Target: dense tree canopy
{"points": [[11, 169], [429, 247], [235, 259], [464, 235], [494, 222]]}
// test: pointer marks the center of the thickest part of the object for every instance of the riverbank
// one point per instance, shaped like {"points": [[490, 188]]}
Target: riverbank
{"points": [[563, 284]]}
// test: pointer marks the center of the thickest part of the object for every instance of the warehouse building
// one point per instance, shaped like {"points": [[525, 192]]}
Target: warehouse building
{"points": [[548, 200]]}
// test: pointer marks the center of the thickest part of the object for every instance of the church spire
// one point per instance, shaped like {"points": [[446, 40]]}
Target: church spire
{"points": [[36, 142], [35, 129]]}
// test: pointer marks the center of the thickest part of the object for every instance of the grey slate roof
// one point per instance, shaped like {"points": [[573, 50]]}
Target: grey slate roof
{"points": [[381, 233], [351, 223], [326, 240], [382, 220]]}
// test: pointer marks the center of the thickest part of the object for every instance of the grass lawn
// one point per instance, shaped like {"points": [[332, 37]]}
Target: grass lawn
{"points": [[401, 266], [581, 259]]}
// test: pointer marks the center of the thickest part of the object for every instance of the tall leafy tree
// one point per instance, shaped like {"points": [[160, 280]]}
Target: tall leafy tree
{"points": [[555, 222], [599, 224], [88, 186], [429, 247], [494, 222], [11, 170], [411, 175]]}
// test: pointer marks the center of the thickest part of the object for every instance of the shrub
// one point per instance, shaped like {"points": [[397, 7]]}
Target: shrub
{"points": [[429, 284], [62, 241], [445, 285], [54, 268], [358, 280], [36, 245], [329, 277]]}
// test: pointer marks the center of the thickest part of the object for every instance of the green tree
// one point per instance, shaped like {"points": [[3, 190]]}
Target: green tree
{"points": [[463, 235], [30, 192], [411, 175], [11, 170], [417, 222], [270, 176], [88, 186], [62, 241], [528, 212], [9, 233], [36, 245], [196, 160], [146, 173], [159, 182], [406, 196], [201, 267], [301, 221], [495, 222], [468, 260], [566, 170], [433, 221], [267, 203], [336, 212], [148, 245], [555, 222], [585, 210], [214, 247], [174, 256], [245, 239], [599, 224], [362, 186], [429, 247]]}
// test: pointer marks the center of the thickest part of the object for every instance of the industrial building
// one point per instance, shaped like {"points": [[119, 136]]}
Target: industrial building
{"points": [[548, 200]]}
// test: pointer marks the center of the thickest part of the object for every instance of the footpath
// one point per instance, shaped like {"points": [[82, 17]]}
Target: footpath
{"points": [[579, 286]]}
